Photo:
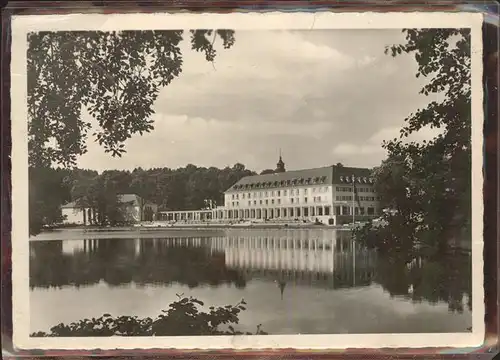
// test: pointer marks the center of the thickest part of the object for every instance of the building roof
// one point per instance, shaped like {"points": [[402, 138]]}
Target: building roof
{"points": [[343, 174], [327, 175], [132, 199], [70, 205]]}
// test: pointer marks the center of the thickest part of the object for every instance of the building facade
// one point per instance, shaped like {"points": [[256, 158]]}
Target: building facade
{"points": [[323, 194], [330, 195]]}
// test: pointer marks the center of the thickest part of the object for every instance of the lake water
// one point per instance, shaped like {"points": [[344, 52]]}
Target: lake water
{"points": [[294, 280]]}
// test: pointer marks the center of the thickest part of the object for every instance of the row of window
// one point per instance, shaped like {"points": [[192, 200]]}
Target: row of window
{"points": [[291, 212], [301, 211], [289, 182], [360, 198], [316, 199], [350, 189], [290, 192], [301, 181]]}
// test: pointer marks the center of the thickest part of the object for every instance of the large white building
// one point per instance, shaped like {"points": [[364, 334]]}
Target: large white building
{"points": [[329, 194], [322, 194]]}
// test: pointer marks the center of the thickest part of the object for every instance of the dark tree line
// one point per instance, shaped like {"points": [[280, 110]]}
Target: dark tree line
{"points": [[184, 188]]}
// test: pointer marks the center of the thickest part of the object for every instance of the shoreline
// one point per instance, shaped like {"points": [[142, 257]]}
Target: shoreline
{"points": [[197, 227], [185, 230]]}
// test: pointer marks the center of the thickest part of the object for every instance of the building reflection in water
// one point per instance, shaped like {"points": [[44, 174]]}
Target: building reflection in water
{"points": [[324, 258], [74, 246]]}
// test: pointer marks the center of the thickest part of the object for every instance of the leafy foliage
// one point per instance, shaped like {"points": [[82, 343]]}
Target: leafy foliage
{"points": [[183, 318], [47, 193], [100, 194], [115, 76], [48, 189], [427, 185]]}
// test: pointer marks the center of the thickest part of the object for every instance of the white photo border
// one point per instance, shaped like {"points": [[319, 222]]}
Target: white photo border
{"points": [[23, 24]]}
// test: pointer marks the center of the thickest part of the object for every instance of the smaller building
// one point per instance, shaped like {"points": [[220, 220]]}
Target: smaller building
{"points": [[136, 210], [72, 214]]}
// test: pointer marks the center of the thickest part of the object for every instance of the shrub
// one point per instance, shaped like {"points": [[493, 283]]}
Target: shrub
{"points": [[182, 318]]}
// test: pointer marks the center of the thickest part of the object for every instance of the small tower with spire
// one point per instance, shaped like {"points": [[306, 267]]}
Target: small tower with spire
{"points": [[280, 166]]}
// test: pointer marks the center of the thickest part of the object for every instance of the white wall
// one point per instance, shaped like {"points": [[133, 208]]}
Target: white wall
{"points": [[75, 216], [72, 216], [324, 192]]}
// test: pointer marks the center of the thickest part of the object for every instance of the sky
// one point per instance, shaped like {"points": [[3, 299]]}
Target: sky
{"points": [[321, 96]]}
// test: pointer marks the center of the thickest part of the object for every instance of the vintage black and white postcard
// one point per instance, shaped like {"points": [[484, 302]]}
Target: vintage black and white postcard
{"points": [[247, 181]]}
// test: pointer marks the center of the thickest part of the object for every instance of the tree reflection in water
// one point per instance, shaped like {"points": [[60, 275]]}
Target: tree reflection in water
{"points": [[448, 280], [236, 260], [117, 262]]}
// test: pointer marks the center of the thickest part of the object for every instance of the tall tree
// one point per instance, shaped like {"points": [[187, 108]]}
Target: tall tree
{"points": [[429, 183], [100, 195], [48, 190]]}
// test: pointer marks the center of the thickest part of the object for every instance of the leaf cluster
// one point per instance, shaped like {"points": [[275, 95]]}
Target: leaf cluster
{"points": [[182, 318]]}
